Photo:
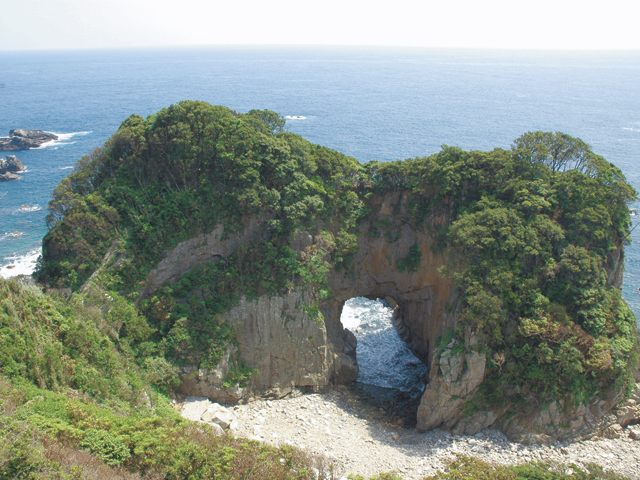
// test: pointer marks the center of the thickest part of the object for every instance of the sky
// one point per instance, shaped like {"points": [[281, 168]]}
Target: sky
{"points": [[499, 24]]}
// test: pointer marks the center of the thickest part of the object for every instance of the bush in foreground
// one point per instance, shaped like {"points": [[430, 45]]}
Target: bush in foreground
{"points": [[467, 468]]}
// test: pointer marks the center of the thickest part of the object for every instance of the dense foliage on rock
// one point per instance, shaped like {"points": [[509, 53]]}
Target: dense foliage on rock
{"points": [[532, 238], [532, 241]]}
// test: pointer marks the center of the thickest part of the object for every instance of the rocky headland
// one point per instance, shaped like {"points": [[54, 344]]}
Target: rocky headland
{"points": [[235, 245], [9, 166], [20, 139]]}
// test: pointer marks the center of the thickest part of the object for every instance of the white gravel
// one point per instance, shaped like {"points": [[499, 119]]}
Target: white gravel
{"points": [[358, 437]]}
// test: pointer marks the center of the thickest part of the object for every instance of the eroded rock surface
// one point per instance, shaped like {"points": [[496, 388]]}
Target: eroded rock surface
{"points": [[4, 177], [288, 349], [455, 374]]}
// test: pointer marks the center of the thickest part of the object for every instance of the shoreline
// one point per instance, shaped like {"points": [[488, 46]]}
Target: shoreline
{"points": [[359, 437]]}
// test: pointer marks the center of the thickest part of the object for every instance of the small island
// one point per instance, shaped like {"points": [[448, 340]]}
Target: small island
{"points": [[20, 139], [8, 168]]}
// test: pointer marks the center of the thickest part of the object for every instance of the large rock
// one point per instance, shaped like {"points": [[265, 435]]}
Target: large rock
{"points": [[8, 176], [11, 164], [219, 415], [455, 374], [200, 409], [20, 139]]}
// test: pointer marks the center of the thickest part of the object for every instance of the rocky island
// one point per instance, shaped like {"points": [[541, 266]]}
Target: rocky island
{"points": [[9, 166], [202, 252], [20, 139]]}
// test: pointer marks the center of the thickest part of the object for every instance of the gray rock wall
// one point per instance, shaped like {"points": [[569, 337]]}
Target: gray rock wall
{"points": [[288, 349]]}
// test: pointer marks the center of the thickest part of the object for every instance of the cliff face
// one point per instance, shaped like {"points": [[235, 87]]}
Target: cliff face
{"points": [[424, 302], [276, 337], [289, 350]]}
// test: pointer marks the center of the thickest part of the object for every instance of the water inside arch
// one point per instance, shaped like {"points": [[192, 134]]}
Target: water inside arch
{"points": [[389, 372]]}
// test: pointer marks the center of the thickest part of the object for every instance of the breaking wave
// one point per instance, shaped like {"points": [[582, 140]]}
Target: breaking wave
{"points": [[27, 208], [63, 139], [15, 265], [383, 358], [10, 235]]}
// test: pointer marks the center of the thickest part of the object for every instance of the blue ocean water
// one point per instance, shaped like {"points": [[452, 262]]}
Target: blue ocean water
{"points": [[382, 104], [383, 358]]}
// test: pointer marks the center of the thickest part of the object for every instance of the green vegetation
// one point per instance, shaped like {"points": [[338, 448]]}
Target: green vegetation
{"points": [[59, 344], [466, 468], [532, 241], [178, 173], [46, 435], [76, 403], [531, 235], [411, 262]]}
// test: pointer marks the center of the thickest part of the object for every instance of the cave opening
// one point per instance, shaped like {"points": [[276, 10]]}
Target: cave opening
{"points": [[389, 373]]}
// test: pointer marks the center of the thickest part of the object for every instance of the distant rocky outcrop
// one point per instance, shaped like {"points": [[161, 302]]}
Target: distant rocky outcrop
{"points": [[20, 139], [9, 166]]}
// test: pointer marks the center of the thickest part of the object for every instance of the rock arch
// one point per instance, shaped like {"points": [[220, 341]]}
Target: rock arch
{"points": [[288, 349]]}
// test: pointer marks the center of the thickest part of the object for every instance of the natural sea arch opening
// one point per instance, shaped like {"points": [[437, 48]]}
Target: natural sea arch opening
{"points": [[388, 371]]}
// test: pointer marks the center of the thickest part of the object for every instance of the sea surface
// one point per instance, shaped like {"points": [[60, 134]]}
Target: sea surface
{"points": [[372, 104]]}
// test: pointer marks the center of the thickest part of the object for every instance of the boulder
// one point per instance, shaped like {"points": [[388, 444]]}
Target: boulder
{"points": [[219, 415], [216, 429], [455, 374], [634, 432], [8, 176], [20, 139], [11, 164]]}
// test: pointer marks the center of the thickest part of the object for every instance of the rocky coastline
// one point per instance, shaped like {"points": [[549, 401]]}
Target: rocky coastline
{"points": [[20, 139], [8, 168], [357, 436]]}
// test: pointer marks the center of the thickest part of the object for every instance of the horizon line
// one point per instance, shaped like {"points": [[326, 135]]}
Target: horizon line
{"points": [[329, 47]]}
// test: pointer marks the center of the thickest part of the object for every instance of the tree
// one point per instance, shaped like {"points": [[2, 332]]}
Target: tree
{"points": [[273, 121], [558, 151]]}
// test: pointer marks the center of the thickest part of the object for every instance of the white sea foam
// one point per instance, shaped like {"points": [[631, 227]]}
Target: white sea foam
{"points": [[28, 208], [358, 309], [66, 168], [295, 117], [63, 139], [383, 357], [10, 235], [20, 264]]}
